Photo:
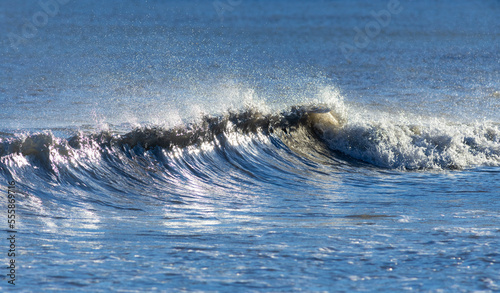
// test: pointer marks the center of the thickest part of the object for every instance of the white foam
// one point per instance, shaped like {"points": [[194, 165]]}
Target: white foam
{"points": [[405, 141]]}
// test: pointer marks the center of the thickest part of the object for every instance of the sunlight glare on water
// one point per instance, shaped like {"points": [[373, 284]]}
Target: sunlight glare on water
{"points": [[271, 146]]}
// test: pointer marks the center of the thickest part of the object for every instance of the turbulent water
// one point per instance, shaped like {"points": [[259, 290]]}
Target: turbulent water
{"points": [[253, 146]]}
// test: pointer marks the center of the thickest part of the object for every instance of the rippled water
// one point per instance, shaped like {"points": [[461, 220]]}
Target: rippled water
{"points": [[167, 146]]}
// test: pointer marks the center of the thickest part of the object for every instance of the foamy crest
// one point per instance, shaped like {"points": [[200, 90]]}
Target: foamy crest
{"points": [[431, 144]]}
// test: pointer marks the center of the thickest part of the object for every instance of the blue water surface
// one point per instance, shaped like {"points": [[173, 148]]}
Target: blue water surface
{"points": [[167, 146]]}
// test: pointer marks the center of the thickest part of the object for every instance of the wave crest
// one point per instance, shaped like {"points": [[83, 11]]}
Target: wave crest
{"points": [[317, 133]]}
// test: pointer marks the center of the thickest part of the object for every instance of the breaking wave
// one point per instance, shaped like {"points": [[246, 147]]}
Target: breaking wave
{"points": [[245, 145]]}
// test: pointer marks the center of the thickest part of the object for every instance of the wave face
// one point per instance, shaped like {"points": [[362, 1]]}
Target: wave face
{"points": [[251, 145]]}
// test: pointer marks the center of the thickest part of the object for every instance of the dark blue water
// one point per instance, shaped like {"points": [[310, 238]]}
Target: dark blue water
{"points": [[253, 146]]}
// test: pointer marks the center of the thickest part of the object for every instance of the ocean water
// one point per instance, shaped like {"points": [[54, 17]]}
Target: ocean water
{"points": [[250, 146]]}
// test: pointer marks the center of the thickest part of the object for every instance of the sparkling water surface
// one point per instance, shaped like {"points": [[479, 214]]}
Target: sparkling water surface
{"points": [[161, 146]]}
